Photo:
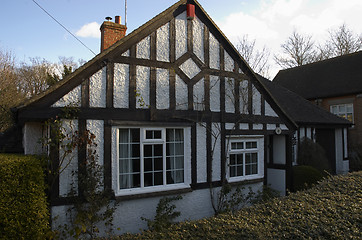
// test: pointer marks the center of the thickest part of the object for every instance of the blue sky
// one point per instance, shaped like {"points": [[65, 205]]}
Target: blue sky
{"points": [[28, 32]]}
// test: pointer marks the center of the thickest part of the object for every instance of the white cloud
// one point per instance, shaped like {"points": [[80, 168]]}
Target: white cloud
{"points": [[89, 30], [273, 21]]}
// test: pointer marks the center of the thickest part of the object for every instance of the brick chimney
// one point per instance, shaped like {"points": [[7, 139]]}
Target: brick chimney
{"points": [[111, 32]]}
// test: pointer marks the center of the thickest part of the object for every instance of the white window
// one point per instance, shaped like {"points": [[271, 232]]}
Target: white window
{"points": [[150, 158], [245, 158], [343, 110]]}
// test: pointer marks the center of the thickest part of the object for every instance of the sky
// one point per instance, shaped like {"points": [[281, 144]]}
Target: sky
{"points": [[27, 31]]}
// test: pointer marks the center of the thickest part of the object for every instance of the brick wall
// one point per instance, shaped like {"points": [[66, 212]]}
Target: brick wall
{"points": [[111, 33]]}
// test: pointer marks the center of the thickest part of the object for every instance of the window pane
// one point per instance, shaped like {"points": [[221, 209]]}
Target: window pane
{"points": [[349, 108], [158, 178], [135, 135], [158, 164], [148, 165], [232, 171], [148, 179], [157, 150], [251, 145], [342, 108], [153, 134], [135, 150], [239, 159], [136, 165], [136, 180], [147, 150], [179, 161], [123, 151], [123, 135], [239, 170], [237, 145], [124, 166], [232, 159]]}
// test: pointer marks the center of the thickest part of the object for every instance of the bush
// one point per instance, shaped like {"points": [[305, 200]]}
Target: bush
{"points": [[330, 210], [23, 206], [304, 177]]}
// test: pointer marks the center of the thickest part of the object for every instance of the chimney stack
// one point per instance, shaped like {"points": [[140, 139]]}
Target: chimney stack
{"points": [[111, 32]]}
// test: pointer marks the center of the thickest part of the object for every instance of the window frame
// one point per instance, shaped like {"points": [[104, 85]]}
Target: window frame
{"points": [[144, 141], [259, 139]]}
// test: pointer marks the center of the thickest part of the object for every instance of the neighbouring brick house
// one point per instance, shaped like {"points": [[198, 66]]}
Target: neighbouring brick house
{"points": [[334, 84], [175, 109]]}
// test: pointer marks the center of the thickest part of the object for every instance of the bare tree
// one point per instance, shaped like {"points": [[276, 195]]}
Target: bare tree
{"points": [[257, 59], [342, 40], [297, 50], [10, 95]]}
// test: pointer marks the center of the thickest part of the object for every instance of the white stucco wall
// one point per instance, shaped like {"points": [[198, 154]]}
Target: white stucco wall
{"points": [[142, 87], [72, 98], [162, 89], [199, 96], [216, 161], [69, 165], [121, 86], [97, 128], [214, 52], [193, 205], [190, 68], [143, 48], [181, 94], [198, 38], [243, 97], [162, 43], [244, 126], [181, 34], [276, 179], [214, 94], [229, 95], [271, 126], [97, 89], [269, 110], [201, 153], [279, 149], [229, 62], [342, 166], [258, 126], [256, 101], [32, 134]]}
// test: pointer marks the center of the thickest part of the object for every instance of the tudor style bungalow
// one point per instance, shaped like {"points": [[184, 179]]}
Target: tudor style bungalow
{"points": [[174, 107]]}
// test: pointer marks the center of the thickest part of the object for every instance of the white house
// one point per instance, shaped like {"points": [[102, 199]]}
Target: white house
{"points": [[174, 107]]}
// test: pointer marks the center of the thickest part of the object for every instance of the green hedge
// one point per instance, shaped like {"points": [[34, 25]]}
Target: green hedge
{"points": [[23, 206], [305, 177], [330, 210]]}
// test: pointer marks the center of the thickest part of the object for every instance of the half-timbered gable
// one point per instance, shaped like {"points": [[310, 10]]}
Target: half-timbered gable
{"points": [[175, 109]]}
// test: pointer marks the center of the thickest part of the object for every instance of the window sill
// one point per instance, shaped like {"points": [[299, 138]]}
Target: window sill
{"points": [[154, 192], [245, 181]]}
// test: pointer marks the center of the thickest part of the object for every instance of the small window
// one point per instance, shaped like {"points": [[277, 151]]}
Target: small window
{"points": [[343, 110], [153, 134], [245, 159]]}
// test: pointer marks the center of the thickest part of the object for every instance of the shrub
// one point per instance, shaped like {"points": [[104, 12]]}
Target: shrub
{"points": [[305, 176], [330, 210], [23, 207], [312, 154]]}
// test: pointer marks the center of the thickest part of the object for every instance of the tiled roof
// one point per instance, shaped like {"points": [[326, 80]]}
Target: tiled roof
{"points": [[299, 109], [339, 76]]}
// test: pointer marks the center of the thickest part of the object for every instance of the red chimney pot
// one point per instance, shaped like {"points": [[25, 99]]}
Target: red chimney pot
{"points": [[190, 11]]}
